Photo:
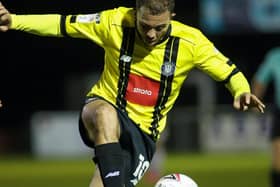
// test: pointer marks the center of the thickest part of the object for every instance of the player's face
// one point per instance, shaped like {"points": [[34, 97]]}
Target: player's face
{"points": [[152, 28]]}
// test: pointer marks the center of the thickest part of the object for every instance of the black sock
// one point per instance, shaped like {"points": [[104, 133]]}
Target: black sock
{"points": [[275, 178], [110, 161]]}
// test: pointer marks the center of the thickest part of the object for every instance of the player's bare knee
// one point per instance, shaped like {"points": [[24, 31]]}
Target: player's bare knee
{"points": [[98, 115], [87, 115], [103, 112]]}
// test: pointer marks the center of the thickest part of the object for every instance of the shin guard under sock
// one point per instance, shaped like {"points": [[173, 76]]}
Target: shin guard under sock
{"points": [[110, 161], [275, 178]]}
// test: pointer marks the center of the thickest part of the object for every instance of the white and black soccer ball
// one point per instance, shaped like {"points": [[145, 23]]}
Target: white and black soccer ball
{"points": [[176, 180]]}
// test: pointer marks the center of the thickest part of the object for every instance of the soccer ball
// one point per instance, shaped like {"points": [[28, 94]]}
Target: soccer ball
{"points": [[176, 180]]}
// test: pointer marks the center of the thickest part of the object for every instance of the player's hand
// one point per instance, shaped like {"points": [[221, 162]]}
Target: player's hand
{"points": [[248, 101], [1, 104], [5, 19]]}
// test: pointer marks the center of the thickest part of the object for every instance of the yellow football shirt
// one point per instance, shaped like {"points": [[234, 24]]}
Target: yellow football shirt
{"points": [[140, 80]]}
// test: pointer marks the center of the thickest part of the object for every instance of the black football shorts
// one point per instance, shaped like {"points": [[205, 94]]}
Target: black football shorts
{"points": [[138, 147]]}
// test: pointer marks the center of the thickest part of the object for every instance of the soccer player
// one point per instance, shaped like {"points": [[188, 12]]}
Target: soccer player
{"points": [[269, 71], [148, 55]]}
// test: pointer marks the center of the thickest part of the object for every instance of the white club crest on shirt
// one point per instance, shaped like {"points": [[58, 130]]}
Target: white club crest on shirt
{"points": [[168, 68]]}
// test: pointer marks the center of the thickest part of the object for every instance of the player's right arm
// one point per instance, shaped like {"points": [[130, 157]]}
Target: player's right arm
{"points": [[5, 18], [43, 25], [88, 26]]}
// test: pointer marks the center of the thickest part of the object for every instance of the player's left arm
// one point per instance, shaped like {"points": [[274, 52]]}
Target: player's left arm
{"points": [[243, 98], [222, 69]]}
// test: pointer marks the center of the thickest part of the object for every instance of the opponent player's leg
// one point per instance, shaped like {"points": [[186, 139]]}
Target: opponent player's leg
{"points": [[276, 162], [102, 125], [275, 136]]}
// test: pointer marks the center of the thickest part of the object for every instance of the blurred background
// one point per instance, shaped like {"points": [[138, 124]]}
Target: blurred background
{"points": [[43, 82]]}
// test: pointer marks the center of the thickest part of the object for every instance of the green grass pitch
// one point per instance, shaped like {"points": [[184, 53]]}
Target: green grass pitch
{"points": [[208, 170]]}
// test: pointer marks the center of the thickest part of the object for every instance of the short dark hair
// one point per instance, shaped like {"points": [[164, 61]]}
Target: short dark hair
{"points": [[156, 6]]}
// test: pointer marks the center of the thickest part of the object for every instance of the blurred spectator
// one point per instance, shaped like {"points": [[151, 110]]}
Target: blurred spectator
{"points": [[269, 71]]}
